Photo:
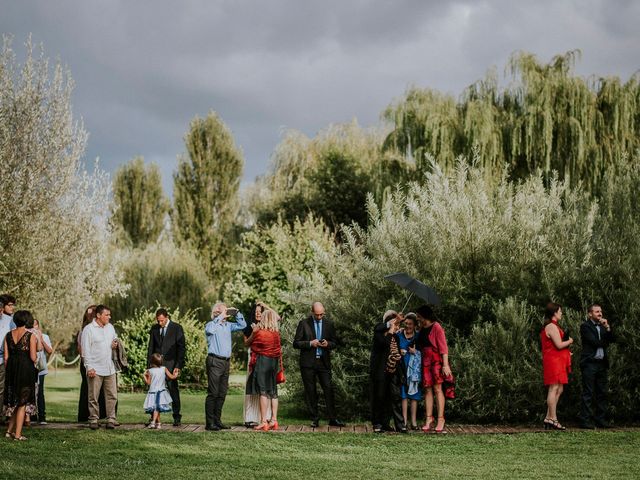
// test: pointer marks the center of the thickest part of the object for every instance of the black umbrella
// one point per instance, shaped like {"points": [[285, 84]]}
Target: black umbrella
{"points": [[416, 287]]}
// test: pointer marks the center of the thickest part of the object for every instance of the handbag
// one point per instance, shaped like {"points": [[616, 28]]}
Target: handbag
{"points": [[280, 378]]}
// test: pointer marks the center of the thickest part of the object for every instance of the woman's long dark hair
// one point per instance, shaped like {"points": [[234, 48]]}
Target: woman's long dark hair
{"points": [[87, 318], [550, 311]]}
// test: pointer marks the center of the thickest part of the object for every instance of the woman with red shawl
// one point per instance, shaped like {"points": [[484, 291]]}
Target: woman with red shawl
{"points": [[265, 345]]}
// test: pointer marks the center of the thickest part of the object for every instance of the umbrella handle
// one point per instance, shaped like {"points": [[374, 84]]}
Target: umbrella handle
{"points": [[406, 303]]}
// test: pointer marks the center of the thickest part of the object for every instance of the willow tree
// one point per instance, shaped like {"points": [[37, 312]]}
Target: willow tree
{"points": [[206, 193], [140, 206], [547, 118]]}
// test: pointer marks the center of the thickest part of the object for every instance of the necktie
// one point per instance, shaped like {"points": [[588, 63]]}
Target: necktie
{"points": [[162, 332], [318, 337]]}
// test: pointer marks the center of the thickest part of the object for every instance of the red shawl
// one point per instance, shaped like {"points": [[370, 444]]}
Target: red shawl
{"points": [[264, 343]]}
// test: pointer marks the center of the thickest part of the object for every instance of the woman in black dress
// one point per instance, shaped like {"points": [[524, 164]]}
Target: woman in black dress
{"points": [[20, 353]]}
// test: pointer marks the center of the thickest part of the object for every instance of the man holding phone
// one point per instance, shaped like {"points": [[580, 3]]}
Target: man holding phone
{"points": [[218, 333], [315, 338], [596, 336]]}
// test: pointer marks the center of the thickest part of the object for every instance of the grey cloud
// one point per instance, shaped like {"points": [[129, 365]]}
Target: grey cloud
{"points": [[144, 69]]}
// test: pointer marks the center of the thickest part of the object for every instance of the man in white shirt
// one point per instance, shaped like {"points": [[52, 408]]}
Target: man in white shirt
{"points": [[98, 340]]}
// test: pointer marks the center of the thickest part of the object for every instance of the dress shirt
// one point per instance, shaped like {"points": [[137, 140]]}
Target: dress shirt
{"points": [[600, 351], [218, 334], [96, 348], [163, 330], [6, 325], [318, 326]]}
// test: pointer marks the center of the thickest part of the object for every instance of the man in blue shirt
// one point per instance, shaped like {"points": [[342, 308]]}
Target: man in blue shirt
{"points": [[7, 307], [218, 333]]}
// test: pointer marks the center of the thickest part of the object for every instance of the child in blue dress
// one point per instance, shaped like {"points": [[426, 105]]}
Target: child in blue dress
{"points": [[158, 399]]}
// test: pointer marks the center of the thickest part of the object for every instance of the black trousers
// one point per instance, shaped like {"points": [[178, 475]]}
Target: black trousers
{"points": [[217, 386], [322, 375], [386, 402], [42, 414], [594, 389], [174, 390]]}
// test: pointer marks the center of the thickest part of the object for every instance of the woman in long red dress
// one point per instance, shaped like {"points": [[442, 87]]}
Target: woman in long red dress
{"points": [[556, 362], [265, 344]]}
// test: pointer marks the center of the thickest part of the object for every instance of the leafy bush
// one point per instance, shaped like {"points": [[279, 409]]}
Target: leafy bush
{"points": [[134, 333], [496, 252]]}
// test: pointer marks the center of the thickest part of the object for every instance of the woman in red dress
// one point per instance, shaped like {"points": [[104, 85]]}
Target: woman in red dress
{"points": [[265, 344], [556, 362], [435, 366]]}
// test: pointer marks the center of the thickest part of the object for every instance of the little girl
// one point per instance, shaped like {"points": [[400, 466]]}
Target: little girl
{"points": [[158, 399]]}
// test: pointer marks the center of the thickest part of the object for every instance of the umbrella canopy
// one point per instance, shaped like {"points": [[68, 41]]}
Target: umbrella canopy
{"points": [[416, 287]]}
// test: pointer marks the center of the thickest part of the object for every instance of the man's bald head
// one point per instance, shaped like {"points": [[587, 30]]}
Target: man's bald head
{"points": [[317, 309]]}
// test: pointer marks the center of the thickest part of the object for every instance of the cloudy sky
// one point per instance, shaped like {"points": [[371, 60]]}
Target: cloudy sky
{"points": [[144, 69]]}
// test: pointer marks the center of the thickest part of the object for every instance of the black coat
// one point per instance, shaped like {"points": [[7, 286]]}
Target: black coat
{"points": [[306, 332], [380, 350], [172, 347], [591, 342]]}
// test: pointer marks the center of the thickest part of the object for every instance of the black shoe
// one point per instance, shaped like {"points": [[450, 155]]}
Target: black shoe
{"points": [[315, 424], [587, 426], [222, 426], [250, 424], [387, 428], [403, 430], [212, 428], [337, 423], [377, 429], [177, 423]]}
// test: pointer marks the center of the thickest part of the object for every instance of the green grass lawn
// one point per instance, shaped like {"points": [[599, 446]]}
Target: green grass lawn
{"points": [[144, 454], [62, 391], [148, 454]]}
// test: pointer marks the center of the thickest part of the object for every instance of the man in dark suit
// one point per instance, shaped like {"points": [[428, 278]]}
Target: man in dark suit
{"points": [[315, 338], [167, 339], [596, 336]]}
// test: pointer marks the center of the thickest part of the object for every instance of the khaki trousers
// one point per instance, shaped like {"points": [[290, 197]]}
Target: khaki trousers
{"points": [[109, 386]]}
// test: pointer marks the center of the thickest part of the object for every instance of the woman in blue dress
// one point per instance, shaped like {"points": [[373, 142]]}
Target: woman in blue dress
{"points": [[412, 362]]}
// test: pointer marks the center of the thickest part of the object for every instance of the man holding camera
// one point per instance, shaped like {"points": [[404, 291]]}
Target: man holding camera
{"points": [[218, 333], [596, 336]]}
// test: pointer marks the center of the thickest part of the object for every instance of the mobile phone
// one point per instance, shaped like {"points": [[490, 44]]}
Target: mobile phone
{"points": [[232, 312]]}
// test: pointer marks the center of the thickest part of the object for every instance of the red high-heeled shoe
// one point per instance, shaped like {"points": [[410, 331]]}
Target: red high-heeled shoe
{"points": [[264, 426], [441, 429], [429, 424], [273, 425]]}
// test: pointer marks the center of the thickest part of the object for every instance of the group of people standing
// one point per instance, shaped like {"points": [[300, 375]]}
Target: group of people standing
{"points": [[23, 366], [409, 362]]}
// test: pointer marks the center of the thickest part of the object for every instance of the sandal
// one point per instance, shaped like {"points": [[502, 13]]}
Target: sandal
{"points": [[10, 435], [264, 426], [429, 424], [21, 438]]}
